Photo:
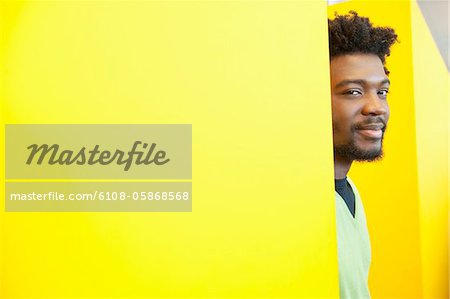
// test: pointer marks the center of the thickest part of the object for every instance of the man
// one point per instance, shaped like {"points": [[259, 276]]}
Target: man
{"points": [[359, 88]]}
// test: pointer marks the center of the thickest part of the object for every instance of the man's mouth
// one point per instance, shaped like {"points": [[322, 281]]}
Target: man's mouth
{"points": [[376, 134], [374, 131]]}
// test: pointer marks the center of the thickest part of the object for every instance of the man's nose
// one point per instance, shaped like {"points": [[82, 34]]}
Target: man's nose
{"points": [[374, 105]]}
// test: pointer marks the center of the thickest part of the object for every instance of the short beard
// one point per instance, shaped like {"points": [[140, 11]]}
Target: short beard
{"points": [[351, 152]]}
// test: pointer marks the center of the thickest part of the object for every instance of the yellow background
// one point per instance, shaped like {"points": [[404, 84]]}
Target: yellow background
{"points": [[253, 82], [252, 78]]}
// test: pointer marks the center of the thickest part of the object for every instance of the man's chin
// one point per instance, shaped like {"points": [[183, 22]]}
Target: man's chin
{"points": [[354, 153], [369, 157]]}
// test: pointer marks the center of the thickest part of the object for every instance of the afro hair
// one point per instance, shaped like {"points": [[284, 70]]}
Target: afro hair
{"points": [[351, 34]]}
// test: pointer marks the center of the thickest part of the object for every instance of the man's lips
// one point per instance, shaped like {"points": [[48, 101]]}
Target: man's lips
{"points": [[376, 134], [374, 131]]}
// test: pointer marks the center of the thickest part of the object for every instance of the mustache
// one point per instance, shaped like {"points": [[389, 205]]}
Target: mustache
{"points": [[369, 121]]}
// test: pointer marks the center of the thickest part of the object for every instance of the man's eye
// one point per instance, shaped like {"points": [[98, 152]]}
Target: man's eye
{"points": [[353, 92], [383, 92]]}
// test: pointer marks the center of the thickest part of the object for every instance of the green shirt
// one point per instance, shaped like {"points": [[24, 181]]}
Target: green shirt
{"points": [[354, 254]]}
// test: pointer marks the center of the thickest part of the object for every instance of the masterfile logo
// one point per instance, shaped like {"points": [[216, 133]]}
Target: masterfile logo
{"points": [[91, 157], [122, 168], [160, 151]]}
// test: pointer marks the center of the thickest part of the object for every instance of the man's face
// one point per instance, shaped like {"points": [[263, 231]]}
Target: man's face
{"points": [[359, 87]]}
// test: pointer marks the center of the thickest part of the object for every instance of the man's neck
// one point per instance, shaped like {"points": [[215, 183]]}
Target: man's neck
{"points": [[341, 167]]}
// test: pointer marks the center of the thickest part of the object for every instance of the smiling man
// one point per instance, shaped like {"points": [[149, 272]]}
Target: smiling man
{"points": [[359, 89]]}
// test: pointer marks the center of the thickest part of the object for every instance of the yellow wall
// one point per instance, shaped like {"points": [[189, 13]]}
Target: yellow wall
{"points": [[405, 195], [432, 127], [252, 80]]}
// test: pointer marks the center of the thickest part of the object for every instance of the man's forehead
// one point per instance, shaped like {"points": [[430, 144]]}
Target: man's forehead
{"points": [[366, 68]]}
